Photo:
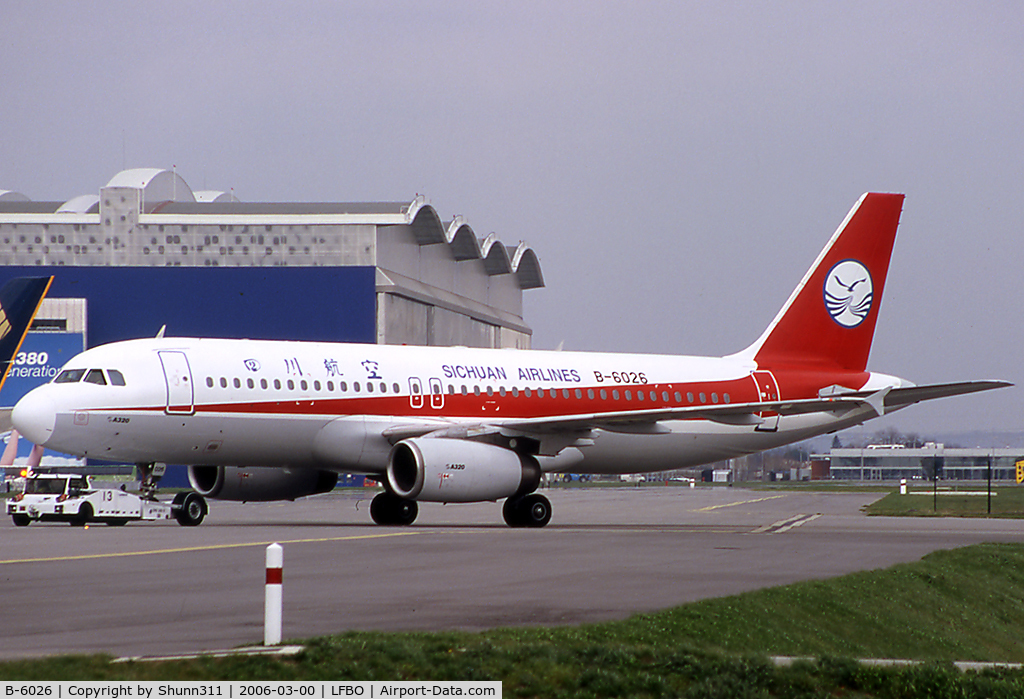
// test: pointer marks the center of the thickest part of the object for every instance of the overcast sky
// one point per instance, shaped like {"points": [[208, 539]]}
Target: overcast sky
{"points": [[676, 166]]}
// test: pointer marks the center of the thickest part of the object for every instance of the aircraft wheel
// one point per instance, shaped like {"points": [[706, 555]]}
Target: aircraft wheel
{"points": [[532, 511], [21, 520], [388, 509], [191, 511], [83, 516], [510, 511], [535, 510]]}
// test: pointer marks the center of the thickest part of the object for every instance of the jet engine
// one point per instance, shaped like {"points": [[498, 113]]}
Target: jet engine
{"points": [[456, 470], [259, 484]]}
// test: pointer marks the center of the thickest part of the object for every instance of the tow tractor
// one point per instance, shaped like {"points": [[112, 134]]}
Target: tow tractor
{"points": [[61, 497]]}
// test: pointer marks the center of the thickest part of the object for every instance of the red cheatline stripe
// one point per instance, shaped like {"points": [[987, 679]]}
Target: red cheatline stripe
{"points": [[274, 576]]}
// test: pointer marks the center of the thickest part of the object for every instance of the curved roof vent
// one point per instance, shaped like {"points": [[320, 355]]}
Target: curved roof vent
{"points": [[84, 204], [425, 223], [8, 195], [210, 196], [156, 185], [496, 260], [462, 240], [527, 267]]}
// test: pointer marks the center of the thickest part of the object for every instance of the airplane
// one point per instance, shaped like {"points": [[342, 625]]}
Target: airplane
{"points": [[20, 299], [275, 420]]}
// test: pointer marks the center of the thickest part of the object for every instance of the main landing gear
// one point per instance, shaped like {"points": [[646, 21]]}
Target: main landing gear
{"points": [[532, 510], [388, 508]]}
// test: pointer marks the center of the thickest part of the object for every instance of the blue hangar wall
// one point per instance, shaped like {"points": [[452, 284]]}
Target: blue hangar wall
{"points": [[272, 303]]}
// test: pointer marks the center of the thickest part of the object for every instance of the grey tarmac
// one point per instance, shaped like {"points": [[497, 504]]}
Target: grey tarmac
{"points": [[157, 588]]}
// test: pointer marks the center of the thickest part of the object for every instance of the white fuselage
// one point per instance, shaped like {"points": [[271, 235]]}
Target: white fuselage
{"points": [[339, 406]]}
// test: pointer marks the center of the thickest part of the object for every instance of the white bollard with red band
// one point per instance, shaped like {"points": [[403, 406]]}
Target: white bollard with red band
{"points": [[272, 606]]}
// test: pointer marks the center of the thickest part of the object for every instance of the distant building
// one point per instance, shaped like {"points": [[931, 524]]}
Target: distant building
{"points": [[148, 251], [895, 462]]}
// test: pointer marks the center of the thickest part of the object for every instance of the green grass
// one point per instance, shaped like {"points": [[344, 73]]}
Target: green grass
{"points": [[965, 604], [1007, 502]]}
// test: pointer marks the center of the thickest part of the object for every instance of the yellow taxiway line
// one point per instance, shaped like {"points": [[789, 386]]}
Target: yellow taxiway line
{"points": [[730, 504], [193, 549]]}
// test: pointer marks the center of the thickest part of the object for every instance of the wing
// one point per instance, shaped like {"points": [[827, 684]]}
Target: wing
{"points": [[574, 427], [881, 401]]}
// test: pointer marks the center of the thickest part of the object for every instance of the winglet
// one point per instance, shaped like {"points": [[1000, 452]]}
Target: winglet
{"points": [[20, 299]]}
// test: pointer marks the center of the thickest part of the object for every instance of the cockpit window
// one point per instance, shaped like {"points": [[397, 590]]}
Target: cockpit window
{"points": [[116, 377], [96, 376], [70, 376]]}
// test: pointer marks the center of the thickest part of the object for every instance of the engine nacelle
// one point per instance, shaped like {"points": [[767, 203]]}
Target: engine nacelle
{"points": [[456, 470], [259, 484]]}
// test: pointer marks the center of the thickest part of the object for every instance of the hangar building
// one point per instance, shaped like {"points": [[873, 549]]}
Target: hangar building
{"points": [[885, 462], [148, 251]]}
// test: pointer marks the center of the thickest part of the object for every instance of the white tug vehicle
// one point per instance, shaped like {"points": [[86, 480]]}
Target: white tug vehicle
{"points": [[62, 497]]}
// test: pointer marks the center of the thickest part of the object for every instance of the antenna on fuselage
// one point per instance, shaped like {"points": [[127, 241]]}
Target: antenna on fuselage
{"points": [[160, 333]]}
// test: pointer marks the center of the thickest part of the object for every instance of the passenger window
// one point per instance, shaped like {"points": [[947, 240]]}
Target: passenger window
{"points": [[369, 387], [383, 387], [604, 394], [223, 382], [528, 393], [463, 389], [714, 397], [703, 398], [95, 376], [639, 395], [291, 385], [117, 378], [70, 376], [250, 383], [579, 394], [263, 384], [395, 388], [355, 386], [209, 381], [679, 397], [316, 385], [565, 393], [304, 385], [277, 384], [689, 397], [615, 394], [726, 398], [343, 386], [515, 392], [664, 396], [330, 385], [238, 383], [629, 395], [654, 396]]}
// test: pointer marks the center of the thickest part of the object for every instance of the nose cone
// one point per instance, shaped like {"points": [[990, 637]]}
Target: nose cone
{"points": [[34, 416]]}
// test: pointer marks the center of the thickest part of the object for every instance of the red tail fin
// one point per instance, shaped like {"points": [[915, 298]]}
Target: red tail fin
{"points": [[829, 320]]}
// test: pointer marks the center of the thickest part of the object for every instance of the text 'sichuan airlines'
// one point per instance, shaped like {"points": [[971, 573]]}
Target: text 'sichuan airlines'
{"points": [[268, 420]]}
